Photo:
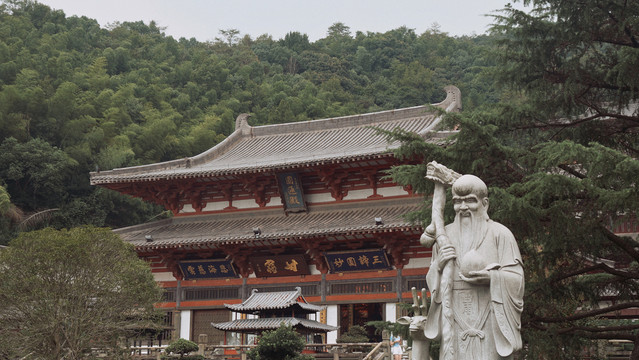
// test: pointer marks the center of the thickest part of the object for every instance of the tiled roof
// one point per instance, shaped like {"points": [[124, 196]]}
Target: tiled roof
{"points": [[237, 227], [291, 145], [259, 301], [261, 324]]}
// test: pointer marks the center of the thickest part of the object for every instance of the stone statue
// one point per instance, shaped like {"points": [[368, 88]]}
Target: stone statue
{"points": [[476, 276]]}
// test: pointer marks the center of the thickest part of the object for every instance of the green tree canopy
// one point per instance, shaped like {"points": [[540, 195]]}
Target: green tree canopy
{"points": [[5, 201], [35, 172], [65, 292]]}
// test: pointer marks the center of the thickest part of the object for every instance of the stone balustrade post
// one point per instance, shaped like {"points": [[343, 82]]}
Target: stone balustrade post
{"points": [[202, 341], [386, 345]]}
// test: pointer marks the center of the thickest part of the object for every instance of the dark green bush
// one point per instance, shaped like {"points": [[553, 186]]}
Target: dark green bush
{"points": [[280, 344], [183, 347]]}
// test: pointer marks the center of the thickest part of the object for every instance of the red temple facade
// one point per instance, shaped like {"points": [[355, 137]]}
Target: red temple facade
{"points": [[276, 207]]}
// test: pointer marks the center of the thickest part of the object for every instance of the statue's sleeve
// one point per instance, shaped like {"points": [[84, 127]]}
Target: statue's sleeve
{"points": [[507, 293]]}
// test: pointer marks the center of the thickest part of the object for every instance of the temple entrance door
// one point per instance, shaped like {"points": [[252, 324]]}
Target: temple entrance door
{"points": [[360, 314], [202, 320]]}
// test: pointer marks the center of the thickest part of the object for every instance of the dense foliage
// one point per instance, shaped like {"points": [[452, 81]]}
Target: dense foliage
{"points": [[560, 155], [283, 343], [66, 292], [75, 97], [183, 347]]}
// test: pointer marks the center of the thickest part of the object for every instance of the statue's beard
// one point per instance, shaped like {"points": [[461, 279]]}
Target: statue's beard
{"points": [[471, 230]]}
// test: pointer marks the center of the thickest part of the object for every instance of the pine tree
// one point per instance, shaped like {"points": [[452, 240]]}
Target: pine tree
{"points": [[559, 153]]}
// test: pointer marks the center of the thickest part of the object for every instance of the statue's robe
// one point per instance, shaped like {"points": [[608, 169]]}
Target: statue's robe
{"points": [[487, 318]]}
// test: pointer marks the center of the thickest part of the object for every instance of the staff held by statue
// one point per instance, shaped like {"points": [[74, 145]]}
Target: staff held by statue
{"points": [[436, 232]]}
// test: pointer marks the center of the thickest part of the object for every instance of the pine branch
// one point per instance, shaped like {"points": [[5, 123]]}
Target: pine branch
{"points": [[598, 267], [627, 31], [609, 336], [586, 314], [621, 243], [598, 329], [572, 171]]}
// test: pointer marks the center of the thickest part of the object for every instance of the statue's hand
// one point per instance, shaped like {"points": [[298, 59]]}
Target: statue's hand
{"points": [[480, 277], [445, 254]]}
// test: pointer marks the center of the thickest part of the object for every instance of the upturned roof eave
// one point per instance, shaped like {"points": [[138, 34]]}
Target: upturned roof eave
{"points": [[181, 173], [237, 240], [252, 310], [177, 169], [257, 325]]}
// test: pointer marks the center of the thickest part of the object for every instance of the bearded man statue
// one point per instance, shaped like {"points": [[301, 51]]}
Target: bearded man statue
{"points": [[487, 281]]}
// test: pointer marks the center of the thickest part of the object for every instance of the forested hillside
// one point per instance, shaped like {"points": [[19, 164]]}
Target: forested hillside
{"points": [[75, 97]]}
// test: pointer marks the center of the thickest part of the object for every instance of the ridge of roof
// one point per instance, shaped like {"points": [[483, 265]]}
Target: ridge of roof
{"points": [[452, 102]]}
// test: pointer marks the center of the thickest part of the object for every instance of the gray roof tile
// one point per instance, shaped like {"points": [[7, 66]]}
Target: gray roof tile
{"points": [[237, 227], [290, 145], [261, 324], [259, 301]]}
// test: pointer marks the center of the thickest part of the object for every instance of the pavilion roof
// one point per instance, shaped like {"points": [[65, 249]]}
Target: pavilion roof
{"points": [[327, 220], [264, 302], [262, 324], [292, 145]]}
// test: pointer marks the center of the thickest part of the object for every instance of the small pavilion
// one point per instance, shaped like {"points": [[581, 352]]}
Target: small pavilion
{"points": [[272, 310]]}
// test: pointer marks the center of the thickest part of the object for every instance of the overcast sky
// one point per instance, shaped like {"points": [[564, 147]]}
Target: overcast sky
{"points": [[202, 19]]}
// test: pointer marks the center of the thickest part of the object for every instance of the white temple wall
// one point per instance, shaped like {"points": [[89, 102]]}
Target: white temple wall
{"points": [[216, 206], [332, 318], [415, 263], [318, 198], [390, 312], [358, 194], [164, 276], [245, 204], [185, 324], [392, 191]]}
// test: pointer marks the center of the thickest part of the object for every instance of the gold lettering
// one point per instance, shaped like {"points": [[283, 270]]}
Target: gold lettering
{"points": [[363, 260], [270, 266], [191, 270], [292, 266], [293, 200], [351, 261]]}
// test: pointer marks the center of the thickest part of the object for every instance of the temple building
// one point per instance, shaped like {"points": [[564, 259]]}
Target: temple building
{"points": [[276, 207]]}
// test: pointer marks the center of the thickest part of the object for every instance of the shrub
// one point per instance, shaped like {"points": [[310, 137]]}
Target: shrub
{"points": [[356, 334], [182, 347], [280, 344]]}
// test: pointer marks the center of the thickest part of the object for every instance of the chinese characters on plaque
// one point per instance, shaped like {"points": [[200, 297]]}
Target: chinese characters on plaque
{"points": [[291, 190], [286, 265], [360, 260], [207, 269], [280, 265]]}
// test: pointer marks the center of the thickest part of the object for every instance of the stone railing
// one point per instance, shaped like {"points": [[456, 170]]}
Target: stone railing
{"points": [[343, 351]]}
